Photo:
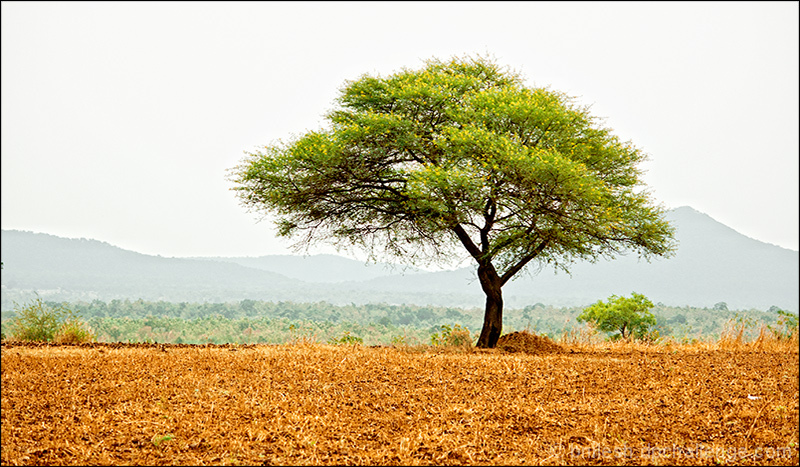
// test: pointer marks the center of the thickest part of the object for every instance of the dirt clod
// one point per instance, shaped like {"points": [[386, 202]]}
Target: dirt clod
{"points": [[528, 342]]}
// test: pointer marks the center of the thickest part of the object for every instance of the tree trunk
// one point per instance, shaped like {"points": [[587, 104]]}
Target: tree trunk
{"points": [[493, 316]]}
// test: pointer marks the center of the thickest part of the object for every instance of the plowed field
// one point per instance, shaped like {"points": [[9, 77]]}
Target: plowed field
{"points": [[321, 404]]}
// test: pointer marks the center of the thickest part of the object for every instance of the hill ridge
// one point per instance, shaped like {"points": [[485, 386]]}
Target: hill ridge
{"points": [[714, 263]]}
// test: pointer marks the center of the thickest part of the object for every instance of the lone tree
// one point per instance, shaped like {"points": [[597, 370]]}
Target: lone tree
{"points": [[459, 154], [631, 317]]}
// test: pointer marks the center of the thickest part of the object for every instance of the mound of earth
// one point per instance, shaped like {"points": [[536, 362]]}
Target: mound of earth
{"points": [[527, 342]]}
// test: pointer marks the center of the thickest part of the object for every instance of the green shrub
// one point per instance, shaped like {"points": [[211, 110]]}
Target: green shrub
{"points": [[399, 341], [346, 339], [39, 322], [630, 317], [786, 326]]}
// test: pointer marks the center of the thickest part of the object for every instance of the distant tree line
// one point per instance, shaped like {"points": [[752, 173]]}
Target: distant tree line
{"points": [[253, 321]]}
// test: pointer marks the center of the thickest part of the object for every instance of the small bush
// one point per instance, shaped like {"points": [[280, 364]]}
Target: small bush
{"points": [[74, 332], [399, 341], [786, 327], [39, 322], [452, 337], [35, 322], [346, 339]]}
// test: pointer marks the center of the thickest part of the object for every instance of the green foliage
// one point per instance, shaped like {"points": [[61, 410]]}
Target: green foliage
{"points": [[35, 322], [40, 322], [347, 339], [459, 154], [399, 341], [158, 439], [628, 316], [413, 161], [454, 336], [264, 322], [720, 306], [786, 327]]}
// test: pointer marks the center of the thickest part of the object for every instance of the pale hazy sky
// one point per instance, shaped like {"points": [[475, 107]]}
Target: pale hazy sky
{"points": [[119, 120]]}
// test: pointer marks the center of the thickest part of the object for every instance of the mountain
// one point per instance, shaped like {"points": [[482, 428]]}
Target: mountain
{"points": [[713, 264], [88, 269], [319, 268]]}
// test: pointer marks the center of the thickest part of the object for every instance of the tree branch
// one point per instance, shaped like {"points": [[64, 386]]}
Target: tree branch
{"points": [[465, 239], [522, 262]]}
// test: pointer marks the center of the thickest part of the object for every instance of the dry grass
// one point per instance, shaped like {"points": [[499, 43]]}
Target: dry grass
{"points": [[608, 403]]}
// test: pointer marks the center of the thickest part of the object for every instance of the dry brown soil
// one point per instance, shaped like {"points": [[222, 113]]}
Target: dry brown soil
{"points": [[321, 404]]}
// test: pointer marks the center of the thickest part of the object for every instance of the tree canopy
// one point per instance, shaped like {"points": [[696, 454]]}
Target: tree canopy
{"points": [[459, 155], [631, 317]]}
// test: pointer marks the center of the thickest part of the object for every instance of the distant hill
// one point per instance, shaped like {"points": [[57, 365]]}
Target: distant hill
{"points": [[70, 269], [319, 268], [713, 264]]}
